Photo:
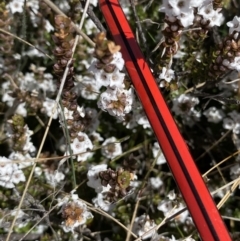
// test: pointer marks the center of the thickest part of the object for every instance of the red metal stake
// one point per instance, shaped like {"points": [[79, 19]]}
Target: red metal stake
{"points": [[195, 193]]}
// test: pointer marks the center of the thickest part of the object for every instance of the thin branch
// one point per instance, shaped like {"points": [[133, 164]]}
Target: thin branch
{"points": [[139, 26], [133, 219], [94, 18]]}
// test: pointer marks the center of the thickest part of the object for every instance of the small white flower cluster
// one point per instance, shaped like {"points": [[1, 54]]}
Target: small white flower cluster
{"points": [[80, 147], [29, 83], [116, 99], [137, 117], [28, 146], [95, 182], [50, 108], [234, 25], [111, 148], [167, 75], [10, 173], [118, 102], [232, 122], [74, 211], [167, 208], [214, 115], [234, 28], [16, 6], [144, 227], [183, 106], [184, 11], [53, 177], [155, 182], [22, 219]]}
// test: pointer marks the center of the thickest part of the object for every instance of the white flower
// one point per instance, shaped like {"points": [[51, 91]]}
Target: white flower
{"points": [[93, 179], [33, 52], [81, 146], [25, 160], [184, 106], [48, 26], [173, 238], [28, 147], [47, 85], [74, 211], [16, 6], [101, 77], [116, 79], [27, 81], [172, 195], [7, 98], [18, 176], [186, 19], [117, 102], [214, 115], [142, 120], [158, 152], [171, 8], [234, 25], [10, 173], [94, 3], [49, 106], [81, 111], [232, 123], [38, 171], [209, 14], [53, 177], [156, 182], [189, 239], [101, 202], [217, 18], [21, 109], [167, 208], [235, 65], [118, 60], [195, 4], [182, 10], [111, 148], [68, 114], [167, 75], [89, 88], [6, 166], [228, 123], [90, 27], [113, 80], [96, 137], [144, 227]]}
